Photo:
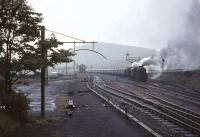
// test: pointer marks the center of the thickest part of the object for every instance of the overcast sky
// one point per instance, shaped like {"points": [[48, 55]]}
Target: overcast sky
{"points": [[143, 23]]}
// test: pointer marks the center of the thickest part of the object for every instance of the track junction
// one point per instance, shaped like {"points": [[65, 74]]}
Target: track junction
{"points": [[169, 110]]}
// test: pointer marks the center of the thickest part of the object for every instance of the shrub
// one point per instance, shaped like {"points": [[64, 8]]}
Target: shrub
{"points": [[7, 124], [16, 105]]}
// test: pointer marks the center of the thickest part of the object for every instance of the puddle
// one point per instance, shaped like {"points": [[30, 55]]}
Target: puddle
{"points": [[34, 94]]}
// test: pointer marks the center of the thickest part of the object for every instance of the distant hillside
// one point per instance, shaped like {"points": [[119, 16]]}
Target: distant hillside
{"points": [[115, 54]]}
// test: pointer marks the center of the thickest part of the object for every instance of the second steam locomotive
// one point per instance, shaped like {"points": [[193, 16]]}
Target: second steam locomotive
{"points": [[137, 73]]}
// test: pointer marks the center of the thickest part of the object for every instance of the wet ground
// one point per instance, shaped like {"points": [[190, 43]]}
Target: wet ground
{"points": [[90, 119], [53, 89]]}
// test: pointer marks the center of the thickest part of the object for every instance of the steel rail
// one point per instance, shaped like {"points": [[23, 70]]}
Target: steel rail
{"points": [[158, 112], [185, 97], [183, 111], [154, 133]]}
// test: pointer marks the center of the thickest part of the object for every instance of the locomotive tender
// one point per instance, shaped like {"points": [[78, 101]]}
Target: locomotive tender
{"points": [[137, 73]]}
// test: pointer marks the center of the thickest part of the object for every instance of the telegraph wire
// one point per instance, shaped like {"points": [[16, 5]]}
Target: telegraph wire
{"points": [[65, 35]]}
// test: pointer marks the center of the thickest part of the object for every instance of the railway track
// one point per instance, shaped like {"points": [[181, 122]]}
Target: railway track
{"points": [[185, 92], [182, 111], [176, 86], [171, 88], [191, 96], [179, 118]]}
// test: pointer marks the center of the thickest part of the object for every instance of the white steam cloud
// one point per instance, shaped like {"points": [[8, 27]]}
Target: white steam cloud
{"points": [[152, 65], [182, 53]]}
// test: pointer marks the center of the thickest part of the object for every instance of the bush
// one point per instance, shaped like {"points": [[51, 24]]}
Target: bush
{"points": [[7, 124], [15, 104], [13, 110]]}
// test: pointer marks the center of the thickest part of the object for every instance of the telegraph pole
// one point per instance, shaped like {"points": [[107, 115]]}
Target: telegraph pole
{"points": [[74, 67], [66, 69], [43, 54], [163, 63], [74, 60], [44, 69], [127, 56]]}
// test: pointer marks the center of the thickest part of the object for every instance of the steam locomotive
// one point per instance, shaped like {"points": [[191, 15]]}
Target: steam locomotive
{"points": [[137, 73]]}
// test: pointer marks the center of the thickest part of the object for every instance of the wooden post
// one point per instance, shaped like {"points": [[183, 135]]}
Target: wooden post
{"points": [[163, 63], [66, 69], [46, 74], [74, 67], [43, 73]]}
